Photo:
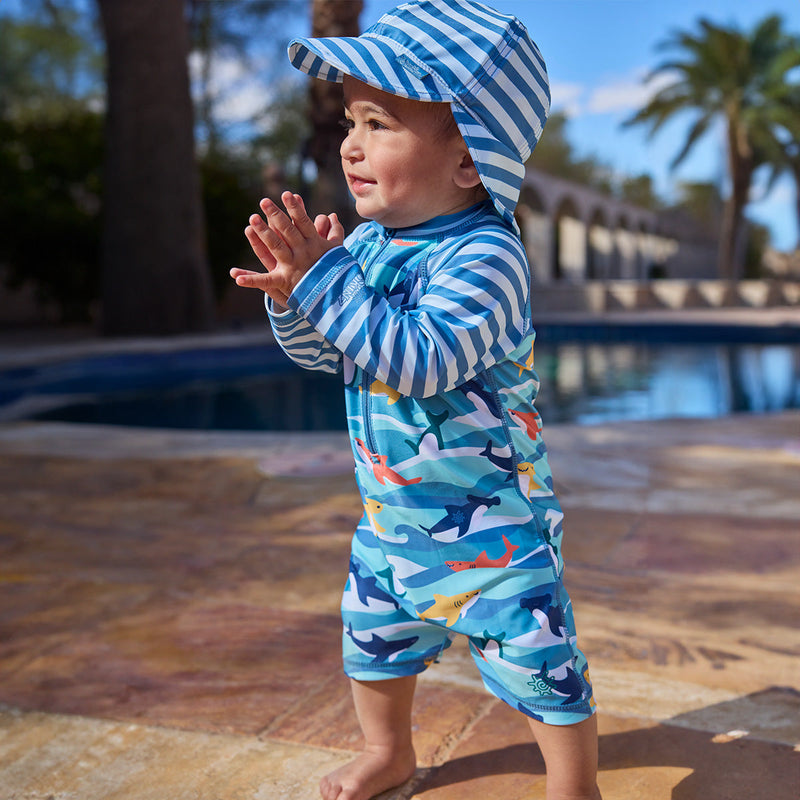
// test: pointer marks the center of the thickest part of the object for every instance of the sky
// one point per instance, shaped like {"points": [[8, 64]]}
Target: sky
{"points": [[598, 53]]}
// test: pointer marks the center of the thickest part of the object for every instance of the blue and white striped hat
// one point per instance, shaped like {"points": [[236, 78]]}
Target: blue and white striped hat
{"points": [[480, 61]]}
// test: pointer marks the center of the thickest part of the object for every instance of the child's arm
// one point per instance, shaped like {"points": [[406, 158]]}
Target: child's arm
{"points": [[473, 313]]}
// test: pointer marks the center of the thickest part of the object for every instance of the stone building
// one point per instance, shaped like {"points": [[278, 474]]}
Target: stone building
{"points": [[574, 234]]}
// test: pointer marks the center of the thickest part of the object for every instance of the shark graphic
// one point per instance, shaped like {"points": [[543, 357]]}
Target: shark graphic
{"points": [[526, 365], [460, 516], [378, 387], [435, 427], [570, 685], [372, 508], [450, 608], [527, 471], [506, 463], [388, 575], [529, 421], [380, 470], [368, 587], [379, 648], [483, 561], [545, 613], [483, 641], [475, 387]]}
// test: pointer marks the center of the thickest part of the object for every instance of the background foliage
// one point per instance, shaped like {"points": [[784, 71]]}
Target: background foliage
{"points": [[52, 145]]}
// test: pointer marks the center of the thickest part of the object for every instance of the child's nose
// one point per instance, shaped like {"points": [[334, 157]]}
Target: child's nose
{"points": [[351, 147]]}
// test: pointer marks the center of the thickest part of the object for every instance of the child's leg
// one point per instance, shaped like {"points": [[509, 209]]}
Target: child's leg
{"points": [[570, 756], [383, 709]]}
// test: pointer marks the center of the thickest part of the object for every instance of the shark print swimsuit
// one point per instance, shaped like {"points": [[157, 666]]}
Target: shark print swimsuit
{"points": [[461, 532]]}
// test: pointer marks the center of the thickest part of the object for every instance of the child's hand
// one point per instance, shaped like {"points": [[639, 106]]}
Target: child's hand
{"points": [[287, 246]]}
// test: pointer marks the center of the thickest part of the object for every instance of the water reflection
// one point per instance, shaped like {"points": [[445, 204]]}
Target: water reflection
{"points": [[764, 379], [583, 383], [599, 383]]}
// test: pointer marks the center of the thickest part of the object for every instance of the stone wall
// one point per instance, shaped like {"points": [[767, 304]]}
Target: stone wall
{"points": [[601, 296]]}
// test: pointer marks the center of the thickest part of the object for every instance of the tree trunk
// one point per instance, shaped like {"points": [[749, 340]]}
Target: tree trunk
{"points": [[796, 175], [155, 271], [330, 18], [730, 263]]}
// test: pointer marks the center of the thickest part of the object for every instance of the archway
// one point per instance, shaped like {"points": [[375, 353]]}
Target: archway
{"points": [[569, 242], [599, 247], [625, 250], [534, 225]]}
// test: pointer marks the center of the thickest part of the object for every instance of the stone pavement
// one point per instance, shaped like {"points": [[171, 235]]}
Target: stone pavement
{"points": [[169, 617]]}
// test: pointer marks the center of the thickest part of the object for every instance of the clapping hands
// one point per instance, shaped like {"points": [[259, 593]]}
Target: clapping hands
{"points": [[287, 244]]}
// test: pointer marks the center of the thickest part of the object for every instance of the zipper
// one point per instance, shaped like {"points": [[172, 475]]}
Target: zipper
{"points": [[366, 380]]}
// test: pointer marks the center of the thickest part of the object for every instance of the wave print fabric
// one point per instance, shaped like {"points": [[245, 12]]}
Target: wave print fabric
{"points": [[461, 532]]}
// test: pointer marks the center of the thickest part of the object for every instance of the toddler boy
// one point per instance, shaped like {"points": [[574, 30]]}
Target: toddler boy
{"points": [[425, 309]]}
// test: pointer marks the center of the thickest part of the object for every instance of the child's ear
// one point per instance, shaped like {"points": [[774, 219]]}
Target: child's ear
{"points": [[466, 175]]}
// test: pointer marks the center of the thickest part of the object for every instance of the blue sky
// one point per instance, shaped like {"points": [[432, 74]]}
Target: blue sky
{"points": [[597, 53]]}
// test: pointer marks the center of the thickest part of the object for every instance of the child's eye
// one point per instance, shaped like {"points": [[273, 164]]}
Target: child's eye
{"points": [[347, 123], [374, 125]]}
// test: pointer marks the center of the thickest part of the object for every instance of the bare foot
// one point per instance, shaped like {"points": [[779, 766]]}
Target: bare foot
{"points": [[373, 772]]}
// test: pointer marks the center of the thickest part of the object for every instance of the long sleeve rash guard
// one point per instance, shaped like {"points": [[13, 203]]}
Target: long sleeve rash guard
{"points": [[431, 328]]}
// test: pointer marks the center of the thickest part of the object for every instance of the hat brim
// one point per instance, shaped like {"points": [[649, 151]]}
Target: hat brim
{"points": [[373, 59]]}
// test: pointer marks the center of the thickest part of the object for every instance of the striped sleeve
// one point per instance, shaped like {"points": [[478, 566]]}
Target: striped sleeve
{"points": [[472, 314], [302, 342]]}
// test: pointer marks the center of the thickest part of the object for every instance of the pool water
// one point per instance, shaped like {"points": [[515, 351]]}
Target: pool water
{"points": [[597, 383], [260, 389]]}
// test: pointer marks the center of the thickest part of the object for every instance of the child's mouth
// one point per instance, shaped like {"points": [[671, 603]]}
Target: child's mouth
{"points": [[359, 185]]}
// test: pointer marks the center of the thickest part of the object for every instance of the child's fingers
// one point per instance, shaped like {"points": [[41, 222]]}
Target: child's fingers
{"points": [[322, 224], [297, 212], [259, 248], [251, 280], [336, 230], [264, 281], [276, 233], [235, 272], [280, 225]]}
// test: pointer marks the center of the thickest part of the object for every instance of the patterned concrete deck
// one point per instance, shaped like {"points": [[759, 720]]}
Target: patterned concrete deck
{"points": [[169, 625]]}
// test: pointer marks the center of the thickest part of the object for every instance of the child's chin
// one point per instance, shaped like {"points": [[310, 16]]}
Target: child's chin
{"points": [[373, 215], [387, 219], [366, 212]]}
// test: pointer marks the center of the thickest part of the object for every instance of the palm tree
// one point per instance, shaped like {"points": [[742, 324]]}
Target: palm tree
{"points": [[778, 141], [735, 76]]}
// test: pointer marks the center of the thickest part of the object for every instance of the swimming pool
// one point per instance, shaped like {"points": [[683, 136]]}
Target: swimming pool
{"points": [[255, 387]]}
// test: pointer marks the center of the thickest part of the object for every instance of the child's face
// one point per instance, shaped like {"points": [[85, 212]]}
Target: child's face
{"points": [[399, 165]]}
